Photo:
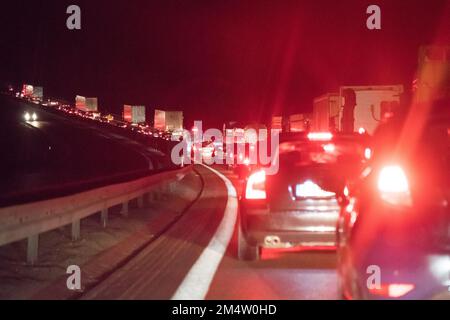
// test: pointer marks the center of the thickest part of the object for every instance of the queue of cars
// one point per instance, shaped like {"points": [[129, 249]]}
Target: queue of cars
{"points": [[382, 202]]}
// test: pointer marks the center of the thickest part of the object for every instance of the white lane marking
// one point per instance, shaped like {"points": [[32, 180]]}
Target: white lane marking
{"points": [[197, 282]]}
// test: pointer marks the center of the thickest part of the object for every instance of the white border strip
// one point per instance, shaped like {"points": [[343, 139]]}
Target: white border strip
{"points": [[197, 282]]}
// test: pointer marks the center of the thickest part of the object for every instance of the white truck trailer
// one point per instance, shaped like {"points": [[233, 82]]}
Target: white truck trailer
{"points": [[168, 120], [134, 114]]}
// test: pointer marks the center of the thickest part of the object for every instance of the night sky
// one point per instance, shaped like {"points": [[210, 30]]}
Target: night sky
{"points": [[215, 60]]}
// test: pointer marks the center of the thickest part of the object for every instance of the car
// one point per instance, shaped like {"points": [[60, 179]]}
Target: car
{"points": [[298, 206], [393, 232]]}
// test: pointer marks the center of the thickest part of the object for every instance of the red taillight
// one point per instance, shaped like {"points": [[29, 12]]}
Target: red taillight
{"points": [[393, 290], [393, 185], [320, 136], [256, 186]]}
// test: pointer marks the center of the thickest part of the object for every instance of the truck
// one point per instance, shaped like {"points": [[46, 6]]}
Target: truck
{"points": [[38, 94], [86, 104], [355, 108], [27, 90], [299, 122], [363, 107], [168, 120], [134, 114], [326, 111], [34, 93]]}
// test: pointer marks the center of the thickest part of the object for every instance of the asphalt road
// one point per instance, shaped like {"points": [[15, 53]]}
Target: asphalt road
{"points": [[196, 259], [56, 151]]}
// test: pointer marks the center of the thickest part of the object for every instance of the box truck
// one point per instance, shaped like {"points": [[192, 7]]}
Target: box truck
{"points": [[355, 108], [32, 92], [326, 111], [86, 104], [134, 114], [168, 120], [363, 107]]}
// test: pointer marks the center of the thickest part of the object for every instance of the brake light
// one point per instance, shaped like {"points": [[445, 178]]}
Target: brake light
{"points": [[393, 290], [256, 186], [320, 136], [393, 186]]}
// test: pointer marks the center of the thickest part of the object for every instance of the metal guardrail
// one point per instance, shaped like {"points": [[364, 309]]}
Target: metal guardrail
{"points": [[27, 221]]}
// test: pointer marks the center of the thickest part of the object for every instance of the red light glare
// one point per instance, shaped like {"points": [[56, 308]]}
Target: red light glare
{"points": [[393, 290], [256, 189]]}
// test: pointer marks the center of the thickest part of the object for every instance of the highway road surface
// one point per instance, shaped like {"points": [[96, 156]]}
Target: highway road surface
{"points": [[196, 259]]}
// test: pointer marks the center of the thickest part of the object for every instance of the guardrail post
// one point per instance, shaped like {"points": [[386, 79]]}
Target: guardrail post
{"points": [[104, 217], [33, 249], [124, 210], [76, 230], [140, 202]]}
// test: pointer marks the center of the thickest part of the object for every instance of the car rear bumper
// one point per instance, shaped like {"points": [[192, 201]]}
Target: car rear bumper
{"points": [[289, 228]]}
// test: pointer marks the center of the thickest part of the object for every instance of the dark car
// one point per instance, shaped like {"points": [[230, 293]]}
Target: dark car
{"points": [[394, 231], [298, 206]]}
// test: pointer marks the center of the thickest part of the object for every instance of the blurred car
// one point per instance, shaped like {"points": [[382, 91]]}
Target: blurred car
{"points": [[298, 206], [395, 224]]}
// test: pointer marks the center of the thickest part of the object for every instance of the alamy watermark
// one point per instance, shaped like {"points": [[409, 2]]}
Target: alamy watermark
{"points": [[74, 280]]}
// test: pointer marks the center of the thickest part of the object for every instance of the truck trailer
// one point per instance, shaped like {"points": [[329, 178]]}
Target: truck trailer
{"points": [[134, 114], [34, 93], [86, 104], [168, 120], [355, 108], [326, 111], [363, 107]]}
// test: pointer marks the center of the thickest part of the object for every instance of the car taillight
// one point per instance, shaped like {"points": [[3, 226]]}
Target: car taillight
{"points": [[393, 290], [393, 186], [320, 136], [256, 186]]}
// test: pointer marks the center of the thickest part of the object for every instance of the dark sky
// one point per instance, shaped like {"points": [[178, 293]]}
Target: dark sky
{"points": [[215, 60]]}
